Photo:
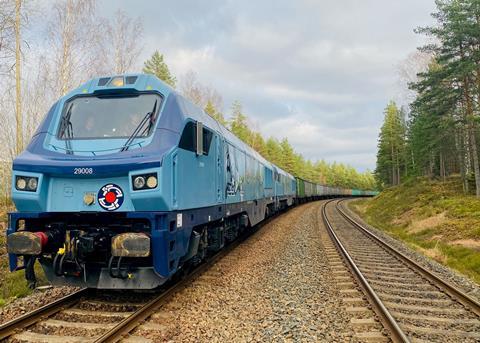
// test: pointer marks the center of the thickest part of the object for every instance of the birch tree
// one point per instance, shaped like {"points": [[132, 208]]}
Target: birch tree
{"points": [[123, 45], [7, 36], [202, 95], [18, 78], [73, 37]]}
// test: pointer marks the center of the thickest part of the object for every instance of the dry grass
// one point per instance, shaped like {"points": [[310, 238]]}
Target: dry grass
{"points": [[432, 222], [434, 253], [468, 243]]}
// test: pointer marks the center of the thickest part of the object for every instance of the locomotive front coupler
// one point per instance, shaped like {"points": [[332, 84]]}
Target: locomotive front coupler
{"points": [[80, 246]]}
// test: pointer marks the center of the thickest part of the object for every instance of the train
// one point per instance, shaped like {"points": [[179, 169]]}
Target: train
{"points": [[126, 183]]}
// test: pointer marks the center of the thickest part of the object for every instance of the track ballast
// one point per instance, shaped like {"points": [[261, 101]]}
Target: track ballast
{"points": [[413, 303]]}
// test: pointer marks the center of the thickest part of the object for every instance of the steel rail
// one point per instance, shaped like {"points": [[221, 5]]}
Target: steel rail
{"points": [[128, 324], [397, 334], [131, 322], [445, 286], [11, 327]]}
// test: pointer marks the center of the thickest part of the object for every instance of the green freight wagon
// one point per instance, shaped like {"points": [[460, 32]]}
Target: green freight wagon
{"points": [[300, 188]]}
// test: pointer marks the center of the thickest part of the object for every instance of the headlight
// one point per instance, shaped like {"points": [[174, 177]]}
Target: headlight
{"points": [[144, 181], [25, 183], [21, 183], [32, 184], [139, 182], [152, 182]]}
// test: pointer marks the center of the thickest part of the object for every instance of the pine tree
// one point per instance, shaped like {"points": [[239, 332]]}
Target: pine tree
{"points": [[238, 123], [156, 66], [214, 113], [284, 156], [273, 151], [391, 147], [259, 143], [288, 157], [448, 93]]}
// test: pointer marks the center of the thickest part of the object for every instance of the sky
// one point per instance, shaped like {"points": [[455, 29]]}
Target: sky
{"points": [[317, 72]]}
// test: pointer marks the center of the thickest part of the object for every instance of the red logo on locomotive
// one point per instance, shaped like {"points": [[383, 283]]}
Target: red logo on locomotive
{"points": [[110, 197]]}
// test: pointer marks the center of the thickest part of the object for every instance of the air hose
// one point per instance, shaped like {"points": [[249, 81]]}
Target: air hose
{"points": [[117, 272], [29, 261]]}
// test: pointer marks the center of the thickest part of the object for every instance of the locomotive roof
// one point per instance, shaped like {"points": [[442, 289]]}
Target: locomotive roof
{"points": [[146, 82]]}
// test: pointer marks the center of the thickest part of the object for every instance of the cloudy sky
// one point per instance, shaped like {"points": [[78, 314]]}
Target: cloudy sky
{"points": [[318, 72]]}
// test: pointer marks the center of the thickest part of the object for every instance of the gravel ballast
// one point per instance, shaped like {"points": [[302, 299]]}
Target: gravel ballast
{"points": [[37, 299], [275, 287]]}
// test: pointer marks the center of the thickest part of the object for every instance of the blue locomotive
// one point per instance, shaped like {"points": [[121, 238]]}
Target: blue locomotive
{"points": [[126, 182]]}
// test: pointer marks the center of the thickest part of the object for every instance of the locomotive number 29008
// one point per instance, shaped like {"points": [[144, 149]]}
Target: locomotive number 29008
{"points": [[84, 171]]}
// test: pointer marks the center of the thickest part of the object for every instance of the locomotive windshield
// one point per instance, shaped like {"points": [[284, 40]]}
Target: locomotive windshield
{"points": [[94, 117]]}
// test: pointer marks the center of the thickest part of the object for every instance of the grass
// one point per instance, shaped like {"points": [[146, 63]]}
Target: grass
{"points": [[434, 218]]}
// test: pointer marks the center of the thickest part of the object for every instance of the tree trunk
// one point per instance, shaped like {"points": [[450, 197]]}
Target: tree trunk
{"points": [[461, 159], [398, 169], [65, 74], [442, 167], [476, 167], [432, 165], [18, 85], [392, 159], [472, 135]]}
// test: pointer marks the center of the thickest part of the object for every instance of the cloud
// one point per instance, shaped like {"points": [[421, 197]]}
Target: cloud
{"points": [[316, 72]]}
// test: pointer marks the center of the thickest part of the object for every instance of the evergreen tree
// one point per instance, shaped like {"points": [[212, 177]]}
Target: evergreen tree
{"points": [[214, 113], [288, 157], [238, 123], [391, 147], [443, 125], [259, 143], [156, 66], [283, 155], [273, 151]]}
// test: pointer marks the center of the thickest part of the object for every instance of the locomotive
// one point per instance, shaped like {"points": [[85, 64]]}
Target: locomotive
{"points": [[126, 182]]}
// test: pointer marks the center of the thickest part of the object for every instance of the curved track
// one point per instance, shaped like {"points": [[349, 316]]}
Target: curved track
{"points": [[412, 303]]}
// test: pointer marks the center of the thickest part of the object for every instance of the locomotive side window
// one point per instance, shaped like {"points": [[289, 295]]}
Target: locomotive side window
{"points": [[189, 138], [187, 141], [207, 140]]}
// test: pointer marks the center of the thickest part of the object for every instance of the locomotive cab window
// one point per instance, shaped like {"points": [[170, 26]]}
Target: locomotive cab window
{"points": [[96, 117], [189, 138]]}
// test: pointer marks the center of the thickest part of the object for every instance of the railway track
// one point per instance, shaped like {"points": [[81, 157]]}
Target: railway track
{"points": [[412, 303], [90, 316]]}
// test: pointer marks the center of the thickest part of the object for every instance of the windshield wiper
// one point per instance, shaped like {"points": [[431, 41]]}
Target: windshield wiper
{"points": [[66, 131], [149, 118]]}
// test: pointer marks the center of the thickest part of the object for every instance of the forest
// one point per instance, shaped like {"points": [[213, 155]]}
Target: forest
{"points": [[436, 135], [45, 52]]}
